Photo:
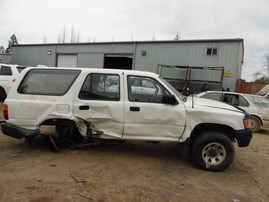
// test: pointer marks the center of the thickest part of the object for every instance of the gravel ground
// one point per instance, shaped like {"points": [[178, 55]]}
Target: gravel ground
{"points": [[133, 171]]}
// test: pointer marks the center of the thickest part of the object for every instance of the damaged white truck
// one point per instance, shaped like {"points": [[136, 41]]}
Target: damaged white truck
{"points": [[96, 104]]}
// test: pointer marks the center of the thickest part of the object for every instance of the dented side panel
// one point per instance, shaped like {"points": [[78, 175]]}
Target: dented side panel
{"points": [[106, 117]]}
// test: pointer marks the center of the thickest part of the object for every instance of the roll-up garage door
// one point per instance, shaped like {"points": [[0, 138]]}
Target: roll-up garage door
{"points": [[67, 60]]}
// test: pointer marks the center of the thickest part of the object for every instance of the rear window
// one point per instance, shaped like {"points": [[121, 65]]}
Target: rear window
{"points": [[212, 96], [5, 71], [48, 81], [259, 101]]}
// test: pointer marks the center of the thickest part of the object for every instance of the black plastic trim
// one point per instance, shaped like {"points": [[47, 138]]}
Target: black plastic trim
{"points": [[17, 132], [243, 137]]}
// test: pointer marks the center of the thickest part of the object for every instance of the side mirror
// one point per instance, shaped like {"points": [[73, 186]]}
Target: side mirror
{"points": [[169, 99]]}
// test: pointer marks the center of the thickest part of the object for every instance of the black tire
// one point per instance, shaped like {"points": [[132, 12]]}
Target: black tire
{"points": [[212, 151], [255, 124], [3, 94]]}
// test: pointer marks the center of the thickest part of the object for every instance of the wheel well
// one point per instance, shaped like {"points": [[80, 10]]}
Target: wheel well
{"points": [[252, 115], [59, 122], [226, 130], [2, 89]]}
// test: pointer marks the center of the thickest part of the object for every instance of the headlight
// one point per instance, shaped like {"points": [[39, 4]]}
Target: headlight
{"points": [[247, 121]]}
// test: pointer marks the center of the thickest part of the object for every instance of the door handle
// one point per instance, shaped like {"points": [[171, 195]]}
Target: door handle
{"points": [[84, 107], [134, 109]]}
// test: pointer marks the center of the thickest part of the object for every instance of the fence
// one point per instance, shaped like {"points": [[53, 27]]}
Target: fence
{"points": [[249, 87]]}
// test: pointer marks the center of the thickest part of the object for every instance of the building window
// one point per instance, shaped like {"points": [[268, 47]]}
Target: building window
{"points": [[212, 51]]}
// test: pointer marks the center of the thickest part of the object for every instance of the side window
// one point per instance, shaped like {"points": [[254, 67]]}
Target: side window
{"points": [[145, 89], [48, 81], [101, 87], [243, 102], [212, 96], [235, 100], [231, 99], [227, 98], [5, 71]]}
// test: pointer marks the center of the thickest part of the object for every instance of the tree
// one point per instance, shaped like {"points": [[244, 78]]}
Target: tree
{"points": [[73, 35], [177, 36], [12, 41], [78, 36], [2, 49], [63, 36], [262, 80], [263, 74]]}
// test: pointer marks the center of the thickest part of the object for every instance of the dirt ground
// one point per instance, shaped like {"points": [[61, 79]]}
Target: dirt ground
{"points": [[133, 171]]}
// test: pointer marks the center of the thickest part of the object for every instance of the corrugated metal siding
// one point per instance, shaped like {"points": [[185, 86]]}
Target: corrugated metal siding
{"points": [[191, 54], [94, 60], [186, 55], [34, 55], [206, 75], [173, 73], [5, 58], [98, 48], [171, 53]]}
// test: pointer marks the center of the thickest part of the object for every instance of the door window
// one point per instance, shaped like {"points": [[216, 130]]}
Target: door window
{"points": [[101, 87], [145, 89]]}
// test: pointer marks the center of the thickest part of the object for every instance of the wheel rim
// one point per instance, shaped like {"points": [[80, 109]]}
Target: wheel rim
{"points": [[254, 124], [214, 154]]}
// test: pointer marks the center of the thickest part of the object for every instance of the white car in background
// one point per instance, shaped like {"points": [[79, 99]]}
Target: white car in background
{"points": [[8, 75], [255, 105]]}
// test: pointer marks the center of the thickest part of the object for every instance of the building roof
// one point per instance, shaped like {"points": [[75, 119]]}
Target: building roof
{"points": [[141, 42]]}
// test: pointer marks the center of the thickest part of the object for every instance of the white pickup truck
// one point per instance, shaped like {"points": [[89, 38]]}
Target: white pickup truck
{"points": [[95, 104]]}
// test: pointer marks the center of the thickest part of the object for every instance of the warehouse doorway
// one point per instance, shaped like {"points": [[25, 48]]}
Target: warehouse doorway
{"points": [[118, 62]]}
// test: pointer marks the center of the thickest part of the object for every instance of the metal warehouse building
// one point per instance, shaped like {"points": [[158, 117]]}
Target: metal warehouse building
{"points": [[192, 63]]}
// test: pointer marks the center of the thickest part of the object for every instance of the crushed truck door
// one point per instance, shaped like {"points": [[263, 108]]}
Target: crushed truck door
{"points": [[100, 102]]}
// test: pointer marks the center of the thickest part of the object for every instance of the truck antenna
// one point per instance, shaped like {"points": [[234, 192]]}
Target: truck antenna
{"points": [[192, 101]]}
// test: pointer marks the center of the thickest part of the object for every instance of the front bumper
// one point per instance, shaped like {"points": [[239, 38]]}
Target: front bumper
{"points": [[243, 137], [17, 132]]}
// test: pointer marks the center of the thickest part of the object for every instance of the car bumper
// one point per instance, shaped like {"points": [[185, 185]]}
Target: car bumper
{"points": [[265, 123], [243, 137], [17, 132]]}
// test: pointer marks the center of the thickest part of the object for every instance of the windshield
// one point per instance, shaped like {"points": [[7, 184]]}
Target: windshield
{"points": [[258, 101], [178, 94]]}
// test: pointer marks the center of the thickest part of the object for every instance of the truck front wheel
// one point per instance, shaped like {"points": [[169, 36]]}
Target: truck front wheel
{"points": [[212, 151]]}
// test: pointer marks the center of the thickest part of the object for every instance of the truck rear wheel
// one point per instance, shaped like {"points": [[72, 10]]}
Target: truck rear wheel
{"points": [[212, 151]]}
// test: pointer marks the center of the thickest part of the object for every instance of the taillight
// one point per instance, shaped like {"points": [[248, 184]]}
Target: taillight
{"points": [[13, 80], [5, 111]]}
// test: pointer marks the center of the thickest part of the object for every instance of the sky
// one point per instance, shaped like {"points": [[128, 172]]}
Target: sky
{"points": [[39, 21]]}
